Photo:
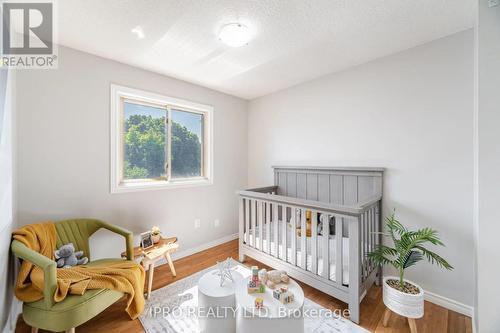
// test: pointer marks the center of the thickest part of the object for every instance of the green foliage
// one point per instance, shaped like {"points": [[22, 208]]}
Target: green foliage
{"points": [[145, 149], [408, 248], [135, 172], [186, 152]]}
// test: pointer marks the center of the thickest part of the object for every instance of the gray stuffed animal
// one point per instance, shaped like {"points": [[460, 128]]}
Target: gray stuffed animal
{"points": [[67, 257]]}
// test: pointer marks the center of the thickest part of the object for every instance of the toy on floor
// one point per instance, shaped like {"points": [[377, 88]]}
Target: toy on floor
{"points": [[272, 278], [283, 295], [255, 285], [259, 303], [66, 256]]}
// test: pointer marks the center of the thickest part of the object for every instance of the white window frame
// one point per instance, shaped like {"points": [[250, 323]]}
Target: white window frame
{"points": [[118, 185]]}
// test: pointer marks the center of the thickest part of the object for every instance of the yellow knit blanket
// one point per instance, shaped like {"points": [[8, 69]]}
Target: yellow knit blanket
{"points": [[124, 276]]}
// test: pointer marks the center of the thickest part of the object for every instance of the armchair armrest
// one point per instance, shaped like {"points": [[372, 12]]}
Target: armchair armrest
{"points": [[47, 265], [129, 237]]}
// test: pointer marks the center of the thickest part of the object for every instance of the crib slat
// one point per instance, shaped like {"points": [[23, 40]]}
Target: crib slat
{"points": [[361, 218], [339, 250], [303, 245], [247, 220], [241, 222], [314, 242], [373, 235], [283, 232], [370, 232], [369, 240], [378, 238], [275, 225], [363, 245], [260, 206], [365, 257], [326, 245], [354, 268], [293, 235], [267, 222], [266, 244], [253, 213], [365, 240]]}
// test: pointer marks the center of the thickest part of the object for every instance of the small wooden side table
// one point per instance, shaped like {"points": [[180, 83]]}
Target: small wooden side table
{"points": [[152, 255]]}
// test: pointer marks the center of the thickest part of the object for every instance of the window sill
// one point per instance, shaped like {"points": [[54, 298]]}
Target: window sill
{"points": [[125, 187]]}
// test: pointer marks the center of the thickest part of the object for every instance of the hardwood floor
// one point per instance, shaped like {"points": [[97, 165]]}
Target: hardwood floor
{"points": [[436, 320]]}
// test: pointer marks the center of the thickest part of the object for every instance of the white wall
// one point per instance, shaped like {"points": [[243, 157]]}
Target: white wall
{"points": [[488, 251], [9, 307], [64, 154], [410, 113]]}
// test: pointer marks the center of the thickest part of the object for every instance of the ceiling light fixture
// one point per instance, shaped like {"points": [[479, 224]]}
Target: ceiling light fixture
{"points": [[235, 34], [138, 32]]}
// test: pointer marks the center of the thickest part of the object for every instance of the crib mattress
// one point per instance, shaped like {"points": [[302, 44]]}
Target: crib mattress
{"points": [[345, 259]]}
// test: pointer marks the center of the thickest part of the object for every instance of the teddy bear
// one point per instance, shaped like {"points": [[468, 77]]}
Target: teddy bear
{"points": [[67, 257], [273, 277], [308, 224]]}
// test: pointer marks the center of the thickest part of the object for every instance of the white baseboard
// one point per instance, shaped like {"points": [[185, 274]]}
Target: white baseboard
{"points": [[203, 247], [448, 303], [199, 248]]}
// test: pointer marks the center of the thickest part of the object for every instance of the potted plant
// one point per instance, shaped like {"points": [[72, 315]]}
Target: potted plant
{"points": [[155, 234], [402, 296]]}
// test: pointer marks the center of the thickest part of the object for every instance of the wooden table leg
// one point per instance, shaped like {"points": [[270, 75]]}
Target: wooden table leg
{"points": [[150, 278], [387, 315], [170, 263], [34, 329], [413, 325]]}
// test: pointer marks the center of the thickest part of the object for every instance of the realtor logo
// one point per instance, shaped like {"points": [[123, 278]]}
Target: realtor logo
{"points": [[28, 35]]}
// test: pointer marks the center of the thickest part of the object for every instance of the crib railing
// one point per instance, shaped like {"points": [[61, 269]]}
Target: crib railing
{"points": [[287, 229]]}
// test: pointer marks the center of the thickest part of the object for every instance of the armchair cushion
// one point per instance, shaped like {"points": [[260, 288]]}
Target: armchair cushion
{"points": [[74, 310]]}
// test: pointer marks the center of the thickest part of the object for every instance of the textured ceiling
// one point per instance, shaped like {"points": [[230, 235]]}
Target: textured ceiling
{"points": [[295, 41]]}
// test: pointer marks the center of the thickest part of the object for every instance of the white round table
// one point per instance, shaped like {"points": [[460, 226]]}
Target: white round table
{"points": [[216, 304], [274, 317]]}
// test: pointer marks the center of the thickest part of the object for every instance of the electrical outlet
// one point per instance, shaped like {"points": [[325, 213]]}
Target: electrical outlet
{"points": [[197, 223], [493, 3], [216, 223]]}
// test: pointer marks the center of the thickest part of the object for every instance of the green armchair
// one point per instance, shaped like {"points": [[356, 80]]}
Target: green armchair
{"points": [[74, 310]]}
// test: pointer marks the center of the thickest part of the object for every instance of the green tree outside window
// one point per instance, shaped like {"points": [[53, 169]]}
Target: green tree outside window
{"points": [[145, 149]]}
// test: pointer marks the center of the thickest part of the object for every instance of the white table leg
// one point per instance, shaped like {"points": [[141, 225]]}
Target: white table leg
{"points": [[170, 263]]}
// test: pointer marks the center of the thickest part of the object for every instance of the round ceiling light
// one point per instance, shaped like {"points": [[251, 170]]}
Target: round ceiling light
{"points": [[235, 34]]}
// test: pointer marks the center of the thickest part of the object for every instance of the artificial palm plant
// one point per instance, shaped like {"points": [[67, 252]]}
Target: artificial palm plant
{"points": [[408, 248]]}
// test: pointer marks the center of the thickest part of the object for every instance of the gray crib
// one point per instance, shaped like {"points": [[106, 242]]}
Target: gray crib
{"points": [[318, 224]]}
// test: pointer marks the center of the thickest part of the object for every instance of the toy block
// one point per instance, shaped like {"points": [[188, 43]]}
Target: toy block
{"points": [[255, 287], [259, 303], [283, 295], [256, 290]]}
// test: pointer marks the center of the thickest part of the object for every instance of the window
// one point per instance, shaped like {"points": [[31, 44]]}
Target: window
{"points": [[158, 141]]}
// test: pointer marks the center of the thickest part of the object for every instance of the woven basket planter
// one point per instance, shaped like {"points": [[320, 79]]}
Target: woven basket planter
{"points": [[407, 305]]}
